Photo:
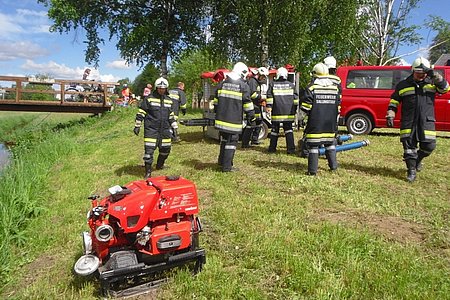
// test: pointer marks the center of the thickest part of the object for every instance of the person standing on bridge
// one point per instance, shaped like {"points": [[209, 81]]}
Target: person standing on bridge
{"points": [[159, 121]]}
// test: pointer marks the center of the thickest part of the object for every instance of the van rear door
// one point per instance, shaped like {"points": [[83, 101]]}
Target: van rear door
{"points": [[442, 105]]}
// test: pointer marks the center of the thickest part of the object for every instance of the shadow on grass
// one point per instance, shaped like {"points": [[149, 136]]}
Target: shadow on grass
{"points": [[69, 124], [199, 165], [373, 170], [300, 166], [195, 137], [135, 170]]}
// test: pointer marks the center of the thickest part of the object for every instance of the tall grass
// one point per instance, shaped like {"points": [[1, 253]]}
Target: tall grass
{"points": [[270, 231]]}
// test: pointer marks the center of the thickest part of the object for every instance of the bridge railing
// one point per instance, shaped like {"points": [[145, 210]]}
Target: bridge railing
{"points": [[32, 90]]}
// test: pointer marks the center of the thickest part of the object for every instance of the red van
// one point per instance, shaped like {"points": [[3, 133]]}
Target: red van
{"points": [[366, 91]]}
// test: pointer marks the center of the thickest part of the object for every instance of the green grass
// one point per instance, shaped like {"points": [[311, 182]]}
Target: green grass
{"points": [[270, 231]]}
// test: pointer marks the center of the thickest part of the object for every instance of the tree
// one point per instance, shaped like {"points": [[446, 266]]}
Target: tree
{"points": [[273, 33], [189, 67], [441, 42], [385, 29], [147, 31], [37, 86]]}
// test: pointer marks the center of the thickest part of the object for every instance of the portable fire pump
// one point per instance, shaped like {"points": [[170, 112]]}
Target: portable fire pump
{"points": [[140, 230]]}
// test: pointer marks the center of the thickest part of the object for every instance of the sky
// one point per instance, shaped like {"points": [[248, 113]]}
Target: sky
{"points": [[28, 48]]}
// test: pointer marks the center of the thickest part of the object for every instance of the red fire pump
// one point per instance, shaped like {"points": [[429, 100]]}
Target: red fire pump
{"points": [[140, 230]]}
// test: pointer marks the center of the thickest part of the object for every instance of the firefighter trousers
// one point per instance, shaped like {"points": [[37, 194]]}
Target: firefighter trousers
{"points": [[289, 134], [150, 145], [228, 144]]}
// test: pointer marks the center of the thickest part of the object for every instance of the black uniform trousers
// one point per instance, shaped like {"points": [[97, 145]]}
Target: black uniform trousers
{"points": [[149, 150], [411, 155], [228, 144], [289, 134], [251, 133]]}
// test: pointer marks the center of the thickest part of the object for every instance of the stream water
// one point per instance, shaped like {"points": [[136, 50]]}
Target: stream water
{"points": [[5, 156]]}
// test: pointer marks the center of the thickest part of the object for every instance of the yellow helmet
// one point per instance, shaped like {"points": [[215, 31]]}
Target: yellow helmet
{"points": [[419, 63], [320, 69]]}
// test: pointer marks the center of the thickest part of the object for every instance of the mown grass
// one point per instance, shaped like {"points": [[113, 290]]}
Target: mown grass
{"points": [[270, 231]]}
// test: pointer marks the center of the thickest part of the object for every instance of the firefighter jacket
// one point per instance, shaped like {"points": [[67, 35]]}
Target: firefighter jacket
{"points": [[320, 102], [417, 110], [156, 113], [255, 95], [179, 100], [282, 98], [231, 101]]}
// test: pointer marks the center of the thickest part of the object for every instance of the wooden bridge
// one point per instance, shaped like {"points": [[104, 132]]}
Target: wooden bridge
{"points": [[55, 95]]}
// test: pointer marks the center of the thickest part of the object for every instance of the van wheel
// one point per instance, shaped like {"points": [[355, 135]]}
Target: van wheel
{"points": [[264, 131], [359, 123]]}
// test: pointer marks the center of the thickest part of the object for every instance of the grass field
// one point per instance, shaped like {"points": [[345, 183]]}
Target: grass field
{"points": [[270, 231]]}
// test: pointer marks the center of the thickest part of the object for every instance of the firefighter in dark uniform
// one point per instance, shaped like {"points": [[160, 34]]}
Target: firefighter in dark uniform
{"points": [[321, 102], [231, 101], [282, 103], [159, 120], [251, 133], [416, 94], [179, 103]]}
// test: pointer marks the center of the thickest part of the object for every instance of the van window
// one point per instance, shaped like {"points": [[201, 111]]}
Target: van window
{"points": [[371, 79]]}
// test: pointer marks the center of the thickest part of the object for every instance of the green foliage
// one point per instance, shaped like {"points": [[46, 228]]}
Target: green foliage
{"points": [[146, 31], [441, 42], [190, 66]]}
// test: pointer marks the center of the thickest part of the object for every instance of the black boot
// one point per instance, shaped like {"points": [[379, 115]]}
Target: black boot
{"points": [[246, 136], [331, 157], [148, 171], [160, 162], [419, 165], [313, 161], [290, 143], [411, 166]]}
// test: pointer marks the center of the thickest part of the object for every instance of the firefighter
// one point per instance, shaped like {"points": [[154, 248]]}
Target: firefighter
{"points": [[251, 133], [179, 103], [416, 94], [282, 103], [159, 120], [320, 102], [231, 101], [330, 62]]}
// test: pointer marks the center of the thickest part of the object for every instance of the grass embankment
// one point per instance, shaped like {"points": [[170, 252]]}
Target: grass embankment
{"points": [[270, 231]]}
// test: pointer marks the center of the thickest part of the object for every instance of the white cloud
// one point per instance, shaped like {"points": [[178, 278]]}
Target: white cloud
{"points": [[118, 64], [26, 50], [61, 71], [8, 27], [23, 21]]}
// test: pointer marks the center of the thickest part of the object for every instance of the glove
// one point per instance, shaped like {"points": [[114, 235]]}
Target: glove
{"points": [[136, 130], [390, 122], [251, 121], [429, 71], [174, 125], [390, 118], [301, 119], [183, 111]]}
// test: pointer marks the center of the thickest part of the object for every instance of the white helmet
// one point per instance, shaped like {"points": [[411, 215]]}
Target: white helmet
{"points": [[330, 62], [282, 72], [320, 69], [263, 71], [240, 69], [161, 82], [417, 64]]}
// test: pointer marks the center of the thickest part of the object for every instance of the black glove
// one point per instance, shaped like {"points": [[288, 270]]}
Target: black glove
{"points": [[429, 71], [390, 122], [183, 111], [136, 130], [251, 121]]}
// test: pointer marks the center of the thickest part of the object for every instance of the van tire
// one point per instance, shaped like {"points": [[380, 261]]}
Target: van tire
{"points": [[264, 131], [359, 123]]}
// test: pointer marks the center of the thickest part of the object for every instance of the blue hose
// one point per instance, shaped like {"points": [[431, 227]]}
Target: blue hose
{"points": [[346, 147]]}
